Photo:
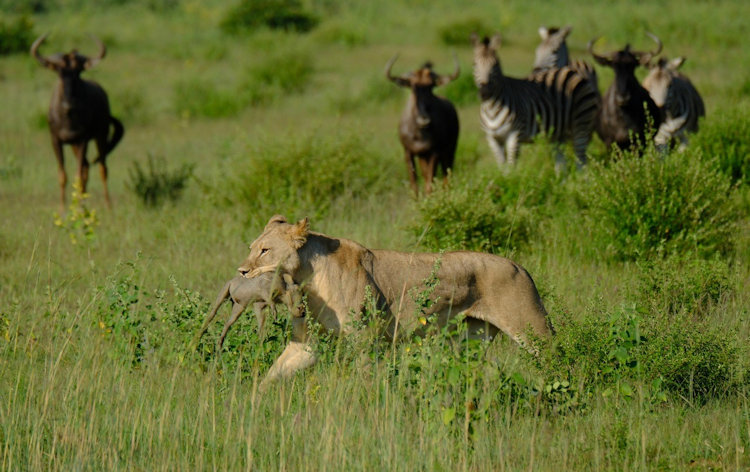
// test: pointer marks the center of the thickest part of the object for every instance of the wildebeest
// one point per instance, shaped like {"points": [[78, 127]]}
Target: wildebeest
{"points": [[680, 102], [78, 113], [429, 125], [559, 102], [629, 117]]}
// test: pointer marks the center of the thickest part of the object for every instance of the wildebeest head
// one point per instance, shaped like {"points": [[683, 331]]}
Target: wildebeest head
{"points": [[624, 63], [421, 82], [67, 65], [660, 77]]}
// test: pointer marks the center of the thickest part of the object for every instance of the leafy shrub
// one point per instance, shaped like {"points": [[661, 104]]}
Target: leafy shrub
{"points": [[681, 284], [695, 360], [158, 184], [649, 205], [306, 174], [459, 33], [249, 15], [276, 77], [341, 34], [485, 213], [193, 97], [462, 91], [16, 35], [723, 139]]}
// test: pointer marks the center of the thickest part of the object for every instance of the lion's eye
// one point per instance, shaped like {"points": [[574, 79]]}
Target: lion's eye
{"points": [[263, 251]]}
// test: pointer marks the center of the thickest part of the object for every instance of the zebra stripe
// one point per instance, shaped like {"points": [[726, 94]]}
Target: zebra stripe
{"points": [[559, 102], [552, 53]]}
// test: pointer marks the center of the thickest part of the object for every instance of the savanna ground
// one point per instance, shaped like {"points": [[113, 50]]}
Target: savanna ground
{"points": [[642, 262]]}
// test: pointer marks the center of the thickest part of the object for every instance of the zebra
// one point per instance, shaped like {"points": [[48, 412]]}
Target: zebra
{"points": [[559, 102], [680, 102], [552, 52]]}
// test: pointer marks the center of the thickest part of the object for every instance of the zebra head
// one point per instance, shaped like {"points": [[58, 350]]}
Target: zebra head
{"points": [[486, 62], [421, 82], [552, 52], [659, 78], [624, 63]]}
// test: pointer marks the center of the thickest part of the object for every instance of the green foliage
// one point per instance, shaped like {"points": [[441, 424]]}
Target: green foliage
{"points": [[723, 141], [645, 206], [249, 15], [276, 77], [306, 175], [458, 33], [493, 213], [158, 184], [16, 35], [694, 360], [683, 284], [462, 91], [80, 221], [10, 169], [341, 34], [195, 97]]}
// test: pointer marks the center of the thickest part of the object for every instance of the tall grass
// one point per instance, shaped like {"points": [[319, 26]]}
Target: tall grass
{"points": [[648, 369]]}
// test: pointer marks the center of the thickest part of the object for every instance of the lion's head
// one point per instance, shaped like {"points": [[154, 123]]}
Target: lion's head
{"points": [[276, 248]]}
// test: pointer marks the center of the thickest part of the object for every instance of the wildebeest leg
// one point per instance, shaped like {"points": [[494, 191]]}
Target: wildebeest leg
{"points": [[62, 177], [412, 171], [101, 146], [83, 164], [223, 295], [427, 167], [237, 310]]}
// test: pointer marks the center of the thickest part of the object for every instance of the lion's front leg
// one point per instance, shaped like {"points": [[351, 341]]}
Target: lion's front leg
{"points": [[297, 355]]}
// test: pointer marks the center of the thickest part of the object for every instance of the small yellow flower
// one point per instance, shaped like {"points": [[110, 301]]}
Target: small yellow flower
{"points": [[423, 320]]}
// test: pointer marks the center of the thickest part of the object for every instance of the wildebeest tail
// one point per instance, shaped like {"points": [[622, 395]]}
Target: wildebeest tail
{"points": [[119, 130]]}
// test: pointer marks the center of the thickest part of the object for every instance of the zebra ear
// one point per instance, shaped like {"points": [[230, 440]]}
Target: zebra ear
{"points": [[566, 31], [677, 62], [543, 33], [496, 41]]}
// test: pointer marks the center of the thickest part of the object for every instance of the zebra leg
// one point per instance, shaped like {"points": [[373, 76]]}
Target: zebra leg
{"points": [[511, 146], [497, 149], [682, 136], [559, 159]]}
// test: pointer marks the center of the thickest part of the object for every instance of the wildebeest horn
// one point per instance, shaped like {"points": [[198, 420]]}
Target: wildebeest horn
{"points": [[645, 57], [35, 51], [446, 79], [388, 67], [91, 62], [599, 58]]}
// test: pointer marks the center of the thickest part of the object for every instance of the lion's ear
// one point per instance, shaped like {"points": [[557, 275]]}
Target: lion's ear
{"points": [[299, 233], [275, 219]]}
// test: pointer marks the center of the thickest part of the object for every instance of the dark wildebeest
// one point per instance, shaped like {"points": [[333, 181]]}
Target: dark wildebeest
{"points": [[629, 117], [681, 104], [262, 291], [78, 113], [429, 124]]}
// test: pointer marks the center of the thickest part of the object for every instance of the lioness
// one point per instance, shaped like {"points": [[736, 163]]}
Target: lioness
{"points": [[494, 293]]}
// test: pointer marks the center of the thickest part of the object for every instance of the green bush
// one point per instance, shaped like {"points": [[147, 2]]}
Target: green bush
{"points": [[459, 32], [277, 76], [612, 353], [683, 284], [249, 15], [193, 97], [723, 139], [490, 213], [462, 91], [645, 206], [158, 184], [16, 35], [306, 174]]}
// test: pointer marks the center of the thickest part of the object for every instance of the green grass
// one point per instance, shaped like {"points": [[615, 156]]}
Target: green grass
{"points": [[649, 368]]}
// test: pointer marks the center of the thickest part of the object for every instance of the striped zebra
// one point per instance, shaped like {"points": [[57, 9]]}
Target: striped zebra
{"points": [[680, 102], [559, 102], [552, 52]]}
